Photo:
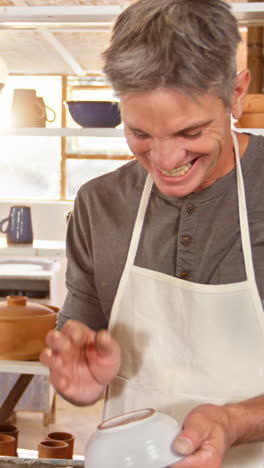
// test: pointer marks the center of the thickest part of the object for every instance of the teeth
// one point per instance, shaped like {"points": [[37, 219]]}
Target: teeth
{"points": [[179, 171]]}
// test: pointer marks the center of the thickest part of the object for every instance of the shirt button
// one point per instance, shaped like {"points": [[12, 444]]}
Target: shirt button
{"points": [[190, 208], [186, 240], [184, 275]]}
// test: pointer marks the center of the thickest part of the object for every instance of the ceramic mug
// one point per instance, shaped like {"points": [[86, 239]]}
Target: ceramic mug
{"points": [[7, 445], [53, 449], [65, 437], [11, 430], [29, 110], [18, 225], [140, 438]]}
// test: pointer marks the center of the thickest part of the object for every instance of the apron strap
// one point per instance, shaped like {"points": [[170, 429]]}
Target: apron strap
{"points": [[244, 226], [245, 235], [139, 222], [133, 246]]}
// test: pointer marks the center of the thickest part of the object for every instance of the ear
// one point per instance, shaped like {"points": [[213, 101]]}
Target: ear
{"points": [[239, 93]]}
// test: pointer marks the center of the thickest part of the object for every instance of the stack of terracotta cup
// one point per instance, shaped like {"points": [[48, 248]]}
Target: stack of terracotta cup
{"points": [[8, 440], [57, 445]]}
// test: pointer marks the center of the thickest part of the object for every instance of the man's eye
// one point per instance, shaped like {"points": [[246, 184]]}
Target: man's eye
{"points": [[192, 135], [141, 136]]}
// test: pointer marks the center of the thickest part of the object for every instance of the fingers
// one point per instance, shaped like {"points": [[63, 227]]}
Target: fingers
{"points": [[55, 364], [57, 342], [105, 358], [77, 332], [204, 457], [203, 439], [198, 451], [78, 349], [62, 344], [197, 427], [105, 345], [98, 347], [73, 333]]}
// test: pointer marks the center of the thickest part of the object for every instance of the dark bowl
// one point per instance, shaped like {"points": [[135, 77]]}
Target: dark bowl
{"points": [[95, 113]]}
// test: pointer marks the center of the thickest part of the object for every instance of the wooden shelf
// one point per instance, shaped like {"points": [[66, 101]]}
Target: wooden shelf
{"points": [[86, 132], [249, 14], [39, 248], [84, 16], [255, 131], [70, 132], [32, 17], [23, 367]]}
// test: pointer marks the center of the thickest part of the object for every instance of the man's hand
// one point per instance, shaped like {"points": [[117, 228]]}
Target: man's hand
{"points": [[207, 434], [82, 362]]}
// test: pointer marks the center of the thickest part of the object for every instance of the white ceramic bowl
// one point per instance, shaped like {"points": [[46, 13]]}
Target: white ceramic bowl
{"points": [[140, 438]]}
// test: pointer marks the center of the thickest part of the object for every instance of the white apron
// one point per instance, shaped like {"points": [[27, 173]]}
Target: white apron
{"points": [[183, 343]]}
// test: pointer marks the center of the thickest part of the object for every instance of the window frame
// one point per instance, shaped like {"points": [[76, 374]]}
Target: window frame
{"points": [[65, 156]]}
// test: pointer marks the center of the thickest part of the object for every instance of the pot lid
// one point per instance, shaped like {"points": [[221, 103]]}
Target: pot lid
{"points": [[19, 306]]}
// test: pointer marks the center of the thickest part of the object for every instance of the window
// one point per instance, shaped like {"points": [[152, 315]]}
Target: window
{"points": [[89, 157], [30, 165], [54, 167]]}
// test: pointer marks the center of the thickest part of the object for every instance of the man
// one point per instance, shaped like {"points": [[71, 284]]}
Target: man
{"points": [[167, 251]]}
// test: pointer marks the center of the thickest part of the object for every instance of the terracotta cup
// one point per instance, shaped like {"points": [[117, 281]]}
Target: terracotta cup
{"points": [[66, 437], [7, 445], [53, 449], [9, 429]]}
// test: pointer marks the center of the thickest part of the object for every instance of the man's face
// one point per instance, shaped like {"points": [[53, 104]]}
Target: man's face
{"points": [[184, 143]]}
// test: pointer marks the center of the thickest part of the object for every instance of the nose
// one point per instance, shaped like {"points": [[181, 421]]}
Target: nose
{"points": [[167, 153]]}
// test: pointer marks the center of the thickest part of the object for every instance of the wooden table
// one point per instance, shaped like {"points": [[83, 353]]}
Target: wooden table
{"points": [[26, 369]]}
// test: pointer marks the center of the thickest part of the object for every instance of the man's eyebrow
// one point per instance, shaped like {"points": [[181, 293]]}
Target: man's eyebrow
{"points": [[135, 129], [179, 132], [194, 126]]}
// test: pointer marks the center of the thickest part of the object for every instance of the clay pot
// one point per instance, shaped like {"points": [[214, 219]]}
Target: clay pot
{"points": [[65, 437], [53, 449], [7, 445], [23, 328], [10, 429]]}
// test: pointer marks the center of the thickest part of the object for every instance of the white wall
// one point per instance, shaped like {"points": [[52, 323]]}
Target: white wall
{"points": [[48, 218], [49, 223]]}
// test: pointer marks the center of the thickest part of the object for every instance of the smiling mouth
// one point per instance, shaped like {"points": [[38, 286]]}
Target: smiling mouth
{"points": [[178, 171]]}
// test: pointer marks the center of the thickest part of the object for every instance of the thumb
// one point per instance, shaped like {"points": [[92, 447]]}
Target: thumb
{"points": [[106, 346], [106, 361], [188, 441]]}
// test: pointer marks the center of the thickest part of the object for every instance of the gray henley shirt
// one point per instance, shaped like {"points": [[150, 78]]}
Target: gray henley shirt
{"points": [[196, 237]]}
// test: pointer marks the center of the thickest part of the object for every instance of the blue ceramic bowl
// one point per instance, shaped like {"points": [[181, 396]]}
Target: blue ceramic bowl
{"points": [[95, 113]]}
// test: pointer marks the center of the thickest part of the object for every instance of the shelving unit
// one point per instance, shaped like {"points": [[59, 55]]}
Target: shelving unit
{"points": [[249, 14], [23, 372], [63, 17], [39, 248], [85, 132], [70, 132], [86, 17], [79, 18], [50, 17]]}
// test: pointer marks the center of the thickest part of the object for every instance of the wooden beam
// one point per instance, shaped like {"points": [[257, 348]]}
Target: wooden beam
{"points": [[14, 396]]}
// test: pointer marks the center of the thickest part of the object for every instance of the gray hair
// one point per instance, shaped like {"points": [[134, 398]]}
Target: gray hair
{"points": [[188, 45]]}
